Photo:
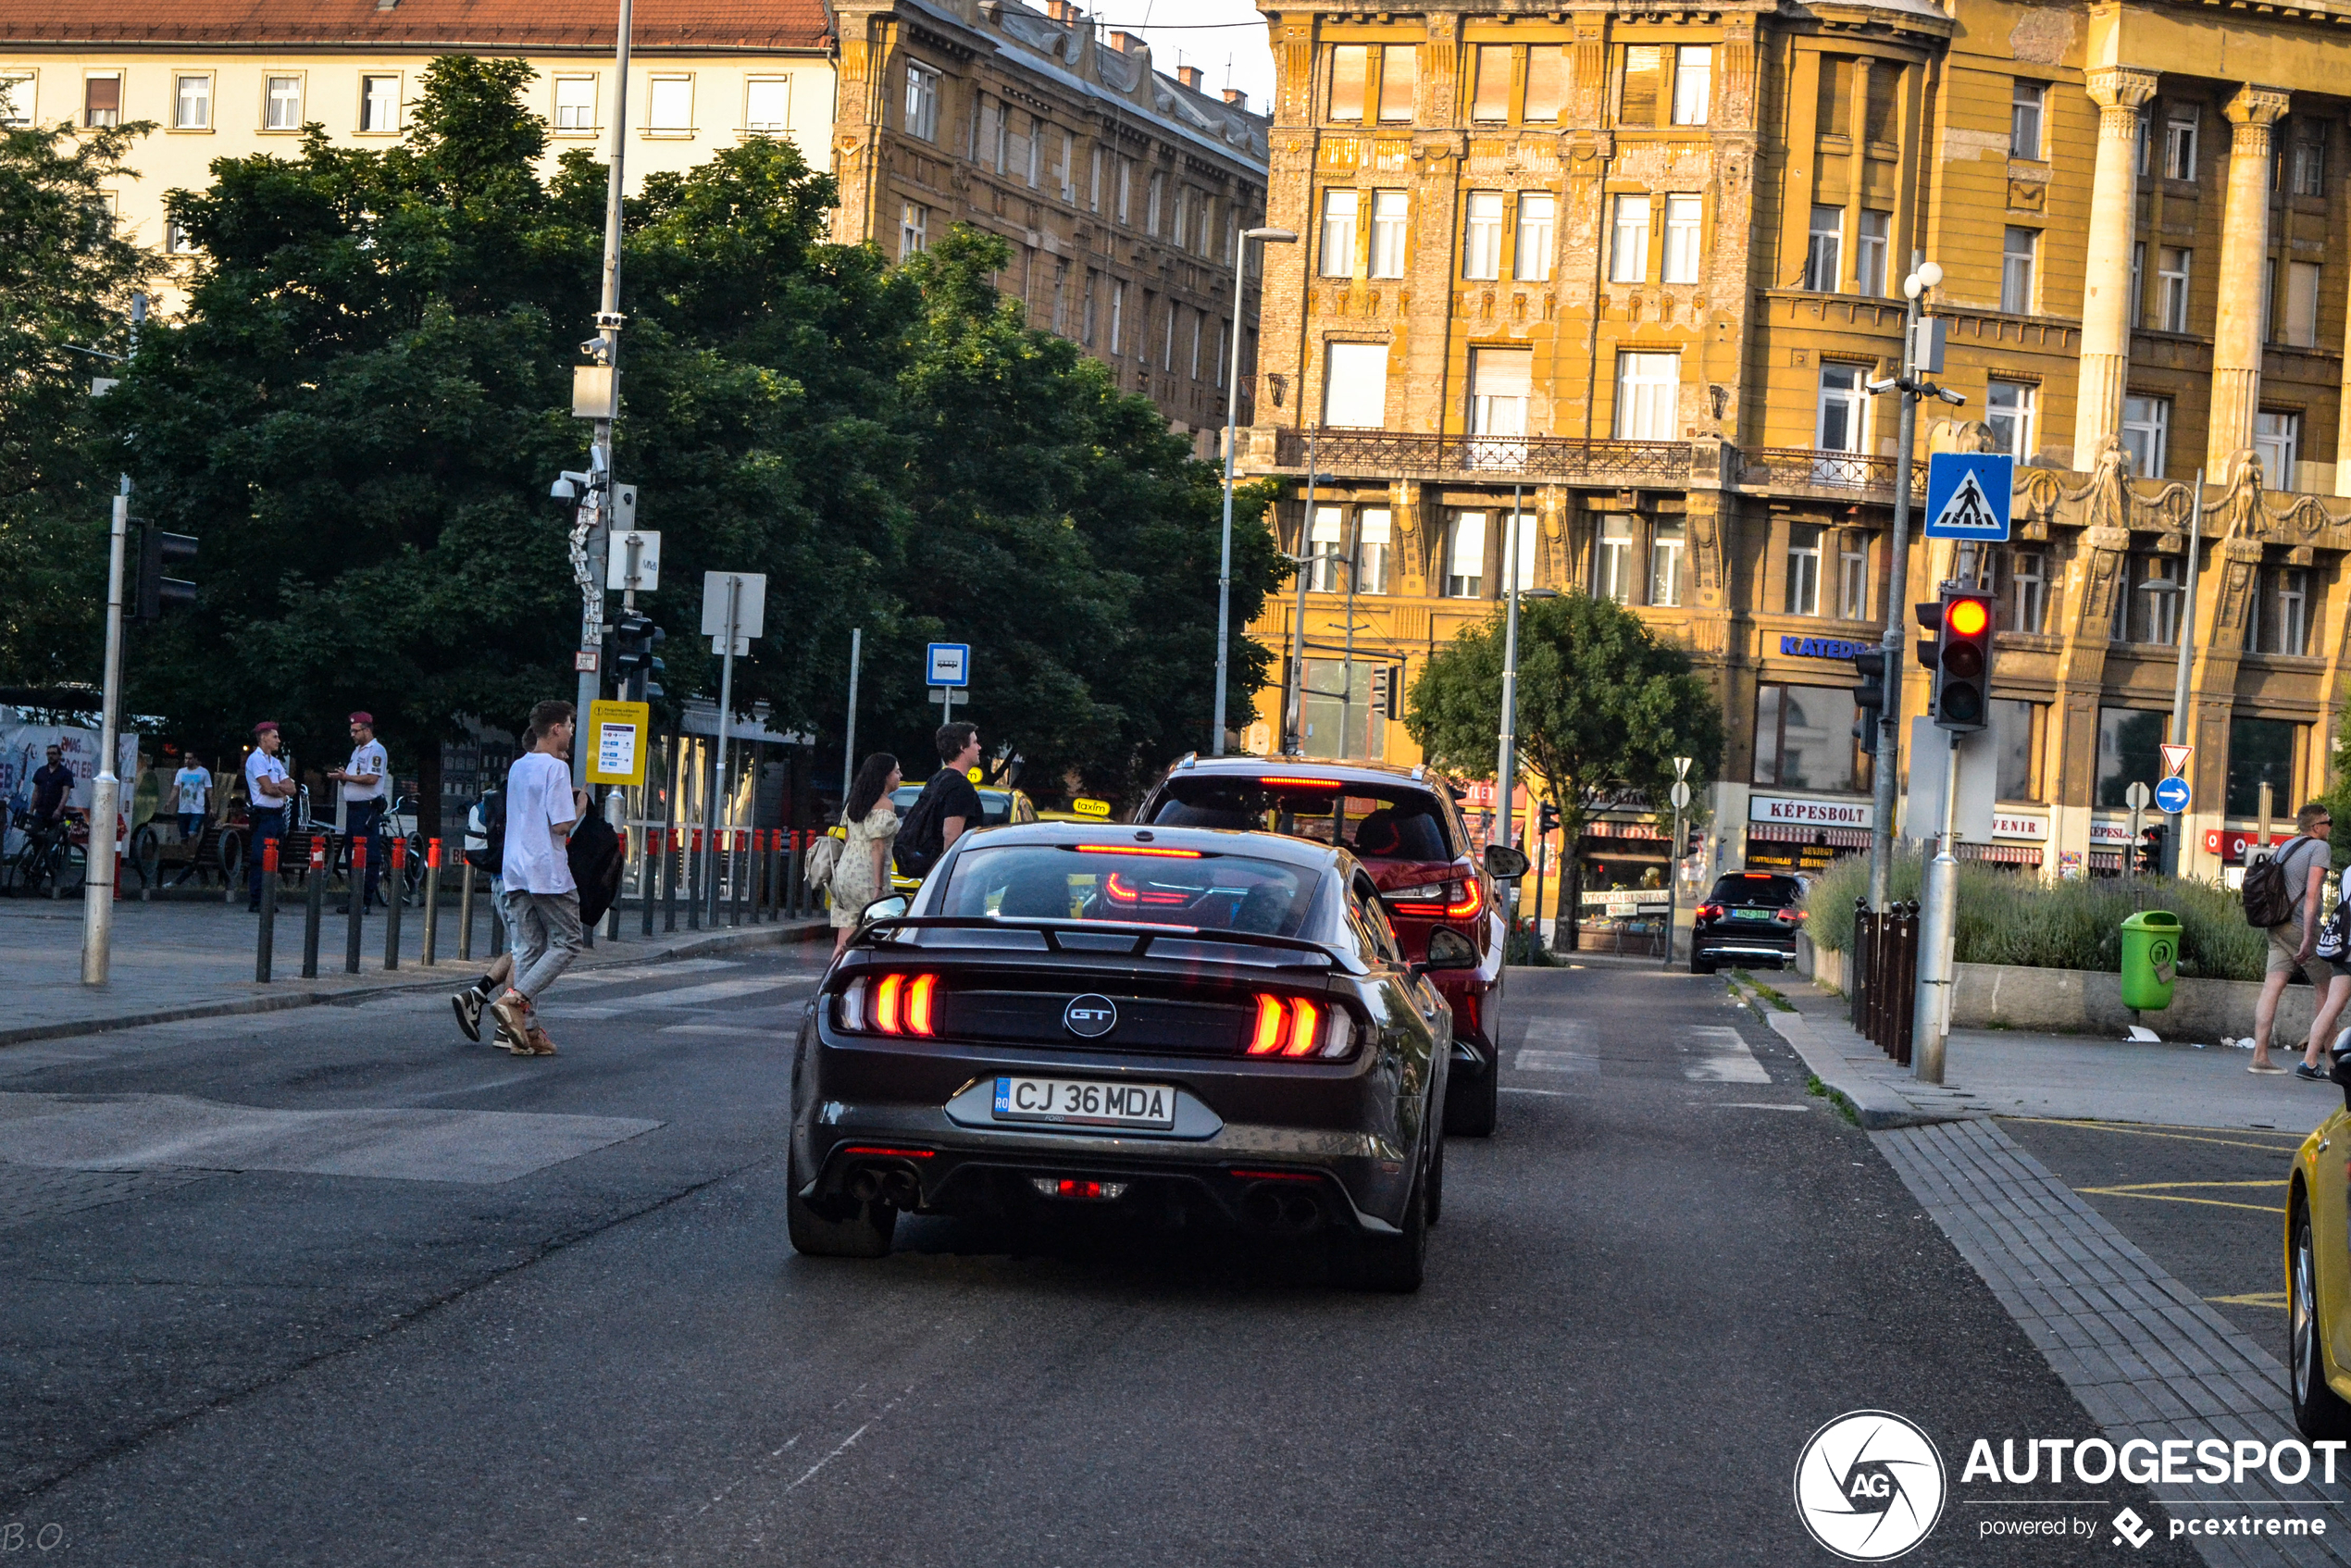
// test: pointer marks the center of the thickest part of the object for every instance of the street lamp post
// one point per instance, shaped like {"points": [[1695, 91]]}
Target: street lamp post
{"points": [[1294, 668], [1232, 397]]}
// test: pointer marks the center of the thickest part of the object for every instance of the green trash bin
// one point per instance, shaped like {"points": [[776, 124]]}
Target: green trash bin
{"points": [[2150, 959]]}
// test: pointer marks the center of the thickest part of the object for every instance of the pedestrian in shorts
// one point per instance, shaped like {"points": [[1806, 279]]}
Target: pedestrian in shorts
{"points": [[2293, 942], [540, 902]]}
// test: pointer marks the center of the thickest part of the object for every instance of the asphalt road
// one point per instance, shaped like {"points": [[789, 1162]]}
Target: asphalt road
{"points": [[414, 1332]]}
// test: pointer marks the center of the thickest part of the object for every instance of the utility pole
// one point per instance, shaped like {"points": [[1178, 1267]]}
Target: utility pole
{"points": [[1294, 677], [106, 791], [2173, 848], [595, 518], [849, 745], [1506, 762]]}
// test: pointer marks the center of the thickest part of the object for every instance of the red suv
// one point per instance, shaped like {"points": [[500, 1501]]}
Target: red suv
{"points": [[1404, 828]]}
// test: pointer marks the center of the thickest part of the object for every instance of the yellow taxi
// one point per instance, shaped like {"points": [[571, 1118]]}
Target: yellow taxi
{"points": [[1080, 810], [2318, 1275]]}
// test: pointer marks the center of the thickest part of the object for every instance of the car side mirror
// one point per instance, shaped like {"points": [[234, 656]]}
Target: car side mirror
{"points": [[1505, 863], [889, 908], [2340, 1073], [1448, 949]]}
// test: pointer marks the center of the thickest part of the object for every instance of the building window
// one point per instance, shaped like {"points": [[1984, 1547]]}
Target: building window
{"points": [[175, 239], [1355, 385], [1843, 412], [914, 229], [1546, 83], [1465, 556], [192, 102], [379, 105], [17, 91], [1824, 251], [1094, 180], [922, 102], [2261, 751], [102, 99], [1869, 248], [1167, 339], [2146, 145], [2129, 750], [1878, 102], [2007, 412], [2280, 618], [1482, 238], [669, 106], [1159, 195], [2028, 597], [1491, 101], [1390, 229], [1087, 320], [1126, 188], [1500, 381], [2025, 100], [1223, 343], [2309, 157], [2017, 251], [2015, 728], [1398, 67], [1020, 149], [1200, 320], [575, 103], [1339, 233], [1649, 388], [2138, 282], [1665, 564], [1629, 241], [1804, 738], [1537, 220], [1834, 102], [1693, 84], [2179, 141], [1803, 592], [1371, 550], [1520, 535], [1613, 559], [1637, 97], [2146, 434], [1117, 315], [2277, 437], [1853, 576], [2171, 270], [2149, 613], [1683, 238], [767, 108], [2301, 324], [1350, 64], [1323, 547]]}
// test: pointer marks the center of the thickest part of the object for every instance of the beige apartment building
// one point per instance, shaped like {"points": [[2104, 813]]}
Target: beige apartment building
{"points": [[1119, 187], [1593, 297]]}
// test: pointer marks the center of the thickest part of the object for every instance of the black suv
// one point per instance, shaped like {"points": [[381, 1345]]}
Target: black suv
{"points": [[1750, 917]]}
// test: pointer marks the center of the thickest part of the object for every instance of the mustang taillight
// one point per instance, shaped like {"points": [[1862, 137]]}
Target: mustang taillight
{"points": [[892, 1004], [1297, 1026]]}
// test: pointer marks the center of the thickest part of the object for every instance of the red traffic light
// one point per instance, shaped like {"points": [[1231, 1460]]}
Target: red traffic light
{"points": [[1967, 618]]}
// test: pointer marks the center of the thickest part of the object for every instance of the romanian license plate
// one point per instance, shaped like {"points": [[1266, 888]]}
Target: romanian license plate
{"points": [[1750, 914], [1079, 1103]]}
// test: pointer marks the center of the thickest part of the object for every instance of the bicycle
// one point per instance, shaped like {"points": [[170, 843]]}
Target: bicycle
{"points": [[50, 857]]}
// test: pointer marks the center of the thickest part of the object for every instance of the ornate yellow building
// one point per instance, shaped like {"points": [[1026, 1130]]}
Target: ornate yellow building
{"points": [[1625, 276]]}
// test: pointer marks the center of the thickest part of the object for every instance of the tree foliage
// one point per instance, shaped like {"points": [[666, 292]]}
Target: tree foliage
{"points": [[369, 392]]}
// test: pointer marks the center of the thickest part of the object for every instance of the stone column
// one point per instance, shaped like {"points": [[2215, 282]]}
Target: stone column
{"points": [[2119, 94], [2244, 252]]}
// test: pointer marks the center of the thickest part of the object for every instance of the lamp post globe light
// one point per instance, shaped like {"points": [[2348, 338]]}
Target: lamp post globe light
{"points": [[1232, 397]]}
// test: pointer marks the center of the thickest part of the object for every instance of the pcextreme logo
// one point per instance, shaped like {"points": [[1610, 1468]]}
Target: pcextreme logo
{"points": [[1870, 1485]]}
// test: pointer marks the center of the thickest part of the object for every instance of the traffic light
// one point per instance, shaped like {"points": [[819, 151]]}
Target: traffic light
{"points": [[635, 665], [151, 592], [1388, 690], [1546, 819], [1930, 627], [1963, 661], [2150, 861], [1870, 696]]}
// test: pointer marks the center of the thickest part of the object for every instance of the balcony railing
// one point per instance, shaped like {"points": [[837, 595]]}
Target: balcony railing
{"points": [[1837, 473], [1408, 453]]}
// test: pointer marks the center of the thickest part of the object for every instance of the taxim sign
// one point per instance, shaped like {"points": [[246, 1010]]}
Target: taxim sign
{"points": [[1871, 1485]]}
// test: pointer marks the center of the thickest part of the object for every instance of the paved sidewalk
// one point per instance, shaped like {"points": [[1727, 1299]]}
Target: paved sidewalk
{"points": [[196, 960], [2012, 1073]]}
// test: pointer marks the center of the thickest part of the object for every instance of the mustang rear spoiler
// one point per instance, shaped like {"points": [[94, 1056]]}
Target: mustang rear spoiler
{"points": [[1143, 933]]}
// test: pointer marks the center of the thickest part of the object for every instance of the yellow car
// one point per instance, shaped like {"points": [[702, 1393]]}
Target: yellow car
{"points": [[2318, 1275], [998, 805]]}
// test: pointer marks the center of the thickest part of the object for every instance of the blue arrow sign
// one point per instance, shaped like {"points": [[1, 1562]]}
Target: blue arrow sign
{"points": [[2173, 795], [1966, 495]]}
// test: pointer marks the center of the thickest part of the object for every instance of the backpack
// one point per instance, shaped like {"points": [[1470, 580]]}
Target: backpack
{"points": [[922, 837], [486, 833], [596, 865], [824, 856], [2268, 901]]}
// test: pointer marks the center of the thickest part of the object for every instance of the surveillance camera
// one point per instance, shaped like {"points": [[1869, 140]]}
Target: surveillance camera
{"points": [[563, 490], [1887, 385], [594, 349], [1947, 395]]}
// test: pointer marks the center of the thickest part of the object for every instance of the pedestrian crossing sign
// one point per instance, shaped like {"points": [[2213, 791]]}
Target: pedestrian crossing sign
{"points": [[1966, 495]]}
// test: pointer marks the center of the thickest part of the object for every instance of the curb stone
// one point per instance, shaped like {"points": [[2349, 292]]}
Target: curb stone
{"points": [[1876, 1103], [229, 1007]]}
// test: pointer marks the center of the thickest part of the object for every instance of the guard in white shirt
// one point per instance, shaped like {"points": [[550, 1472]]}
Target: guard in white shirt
{"points": [[365, 792], [267, 791]]}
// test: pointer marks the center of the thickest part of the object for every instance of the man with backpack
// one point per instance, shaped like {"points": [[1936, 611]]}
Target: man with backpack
{"points": [[949, 806], [2282, 897]]}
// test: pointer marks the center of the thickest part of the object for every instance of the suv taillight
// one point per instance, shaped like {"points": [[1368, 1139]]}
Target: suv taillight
{"points": [[1298, 1026], [1711, 912], [1456, 900], [892, 1004]]}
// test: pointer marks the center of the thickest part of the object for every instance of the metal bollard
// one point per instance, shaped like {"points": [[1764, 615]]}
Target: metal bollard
{"points": [[315, 910], [763, 887], [398, 878], [264, 948], [354, 888], [774, 874], [670, 880], [693, 880], [432, 902], [612, 914], [738, 869], [792, 890], [466, 916]]}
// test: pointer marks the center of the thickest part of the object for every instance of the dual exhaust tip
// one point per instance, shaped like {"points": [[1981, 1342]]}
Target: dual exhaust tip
{"points": [[893, 1184], [1286, 1207]]}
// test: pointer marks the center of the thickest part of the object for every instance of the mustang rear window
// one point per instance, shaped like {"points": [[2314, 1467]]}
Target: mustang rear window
{"points": [[1376, 822], [1221, 892]]}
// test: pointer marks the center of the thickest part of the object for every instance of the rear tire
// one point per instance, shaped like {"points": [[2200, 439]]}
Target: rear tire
{"points": [[1472, 1106], [1394, 1264], [864, 1231], [2319, 1410]]}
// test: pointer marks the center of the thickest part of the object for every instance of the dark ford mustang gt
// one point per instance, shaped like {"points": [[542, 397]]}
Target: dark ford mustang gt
{"points": [[1173, 1021]]}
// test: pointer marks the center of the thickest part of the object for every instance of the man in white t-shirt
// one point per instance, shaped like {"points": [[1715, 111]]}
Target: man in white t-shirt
{"points": [[267, 791], [365, 791], [541, 902], [192, 785]]}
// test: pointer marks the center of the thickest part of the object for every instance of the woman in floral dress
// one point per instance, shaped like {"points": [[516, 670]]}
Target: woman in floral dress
{"points": [[871, 820]]}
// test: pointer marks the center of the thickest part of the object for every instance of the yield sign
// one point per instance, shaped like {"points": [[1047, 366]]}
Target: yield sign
{"points": [[2175, 760]]}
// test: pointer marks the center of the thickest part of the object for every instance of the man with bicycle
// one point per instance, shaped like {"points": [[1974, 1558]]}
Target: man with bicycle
{"points": [[51, 784], [267, 789]]}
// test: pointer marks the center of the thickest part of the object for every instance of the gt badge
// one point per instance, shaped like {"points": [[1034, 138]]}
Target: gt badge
{"points": [[1091, 1016]]}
